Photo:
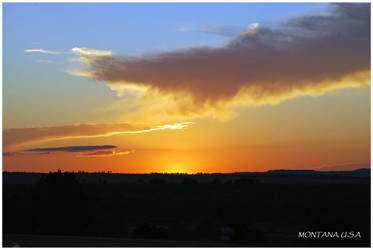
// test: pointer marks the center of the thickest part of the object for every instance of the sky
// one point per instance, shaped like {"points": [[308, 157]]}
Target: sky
{"points": [[185, 87]]}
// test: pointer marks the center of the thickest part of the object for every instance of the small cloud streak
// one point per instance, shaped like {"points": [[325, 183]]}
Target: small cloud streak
{"points": [[72, 148], [86, 56], [90, 52], [106, 153], [43, 51], [176, 126], [23, 136], [82, 151]]}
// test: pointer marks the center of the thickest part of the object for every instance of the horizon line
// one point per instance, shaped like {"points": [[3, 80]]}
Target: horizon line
{"points": [[181, 173]]}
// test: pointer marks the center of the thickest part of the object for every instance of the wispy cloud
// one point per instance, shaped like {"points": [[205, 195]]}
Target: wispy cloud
{"points": [[106, 153], [91, 52], [86, 56], [43, 51], [22, 136], [86, 52], [72, 148], [80, 151]]}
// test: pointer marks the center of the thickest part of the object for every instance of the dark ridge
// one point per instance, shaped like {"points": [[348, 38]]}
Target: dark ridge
{"points": [[291, 171]]}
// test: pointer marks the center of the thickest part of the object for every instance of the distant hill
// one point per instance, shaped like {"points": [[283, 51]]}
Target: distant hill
{"points": [[343, 167], [291, 171], [362, 172]]}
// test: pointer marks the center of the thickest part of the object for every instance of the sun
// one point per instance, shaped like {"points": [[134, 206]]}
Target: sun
{"points": [[177, 168]]}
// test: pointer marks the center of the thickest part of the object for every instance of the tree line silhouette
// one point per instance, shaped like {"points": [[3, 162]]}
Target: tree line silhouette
{"points": [[241, 211]]}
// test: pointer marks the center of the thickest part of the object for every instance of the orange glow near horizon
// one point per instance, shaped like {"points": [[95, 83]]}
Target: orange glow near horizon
{"points": [[298, 134], [176, 169], [188, 161]]}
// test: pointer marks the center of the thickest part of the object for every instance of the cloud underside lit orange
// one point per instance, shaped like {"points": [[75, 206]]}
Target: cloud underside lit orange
{"points": [[160, 106], [307, 56]]}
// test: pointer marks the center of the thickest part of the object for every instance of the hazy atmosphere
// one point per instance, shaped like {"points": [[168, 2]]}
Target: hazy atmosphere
{"points": [[141, 88]]}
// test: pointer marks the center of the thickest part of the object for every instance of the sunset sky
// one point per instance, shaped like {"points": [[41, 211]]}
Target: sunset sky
{"points": [[140, 88]]}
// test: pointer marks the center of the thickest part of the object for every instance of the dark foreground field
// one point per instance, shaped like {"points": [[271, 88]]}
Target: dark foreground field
{"points": [[243, 209], [18, 240]]}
